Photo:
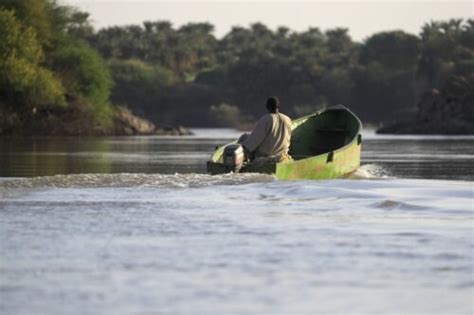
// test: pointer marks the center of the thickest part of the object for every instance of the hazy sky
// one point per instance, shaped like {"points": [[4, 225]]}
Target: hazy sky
{"points": [[363, 18]]}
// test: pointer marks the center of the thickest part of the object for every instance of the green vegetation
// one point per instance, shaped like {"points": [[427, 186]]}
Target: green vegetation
{"points": [[58, 73], [52, 81], [25, 82], [225, 115], [137, 82], [381, 79], [84, 75]]}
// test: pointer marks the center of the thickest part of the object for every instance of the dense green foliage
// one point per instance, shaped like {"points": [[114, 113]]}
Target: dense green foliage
{"points": [[49, 74], [52, 63], [24, 82], [381, 79], [84, 75], [137, 82]]}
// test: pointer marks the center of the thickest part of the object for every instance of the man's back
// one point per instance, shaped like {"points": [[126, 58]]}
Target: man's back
{"points": [[270, 137]]}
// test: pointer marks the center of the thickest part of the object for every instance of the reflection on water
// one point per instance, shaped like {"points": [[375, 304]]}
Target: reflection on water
{"points": [[400, 156], [21, 157]]}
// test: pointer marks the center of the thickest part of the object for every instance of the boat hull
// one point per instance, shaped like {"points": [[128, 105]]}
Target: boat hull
{"points": [[334, 164], [325, 145]]}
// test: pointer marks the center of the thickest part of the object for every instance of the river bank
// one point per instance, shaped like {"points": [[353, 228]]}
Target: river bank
{"points": [[76, 121], [445, 112]]}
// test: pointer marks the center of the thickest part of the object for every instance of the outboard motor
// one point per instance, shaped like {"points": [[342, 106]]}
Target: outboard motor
{"points": [[234, 157]]}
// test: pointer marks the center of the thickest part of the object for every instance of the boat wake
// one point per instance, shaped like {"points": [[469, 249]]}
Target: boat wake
{"points": [[136, 180], [193, 180], [370, 171]]}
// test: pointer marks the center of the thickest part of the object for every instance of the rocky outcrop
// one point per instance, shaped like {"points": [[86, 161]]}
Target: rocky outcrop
{"points": [[449, 111], [125, 123]]}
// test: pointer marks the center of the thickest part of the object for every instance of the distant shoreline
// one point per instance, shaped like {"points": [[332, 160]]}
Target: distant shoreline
{"points": [[415, 128], [446, 112], [73, 123]]}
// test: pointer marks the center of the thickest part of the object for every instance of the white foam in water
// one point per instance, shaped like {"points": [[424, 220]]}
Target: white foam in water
{"points": [[136, 180], [369, 171], [235, 244]]}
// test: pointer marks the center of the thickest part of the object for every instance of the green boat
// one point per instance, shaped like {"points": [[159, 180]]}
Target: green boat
{"points": [[324, 145]]}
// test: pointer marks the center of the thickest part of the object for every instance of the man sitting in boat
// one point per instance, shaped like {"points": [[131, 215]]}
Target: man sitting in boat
{"points": [[270, 138]]}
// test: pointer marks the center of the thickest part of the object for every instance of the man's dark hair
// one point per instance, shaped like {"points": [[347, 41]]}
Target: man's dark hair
{"points": [[273, 104]]}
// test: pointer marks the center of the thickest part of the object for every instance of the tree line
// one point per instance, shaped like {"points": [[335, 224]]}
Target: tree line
{"points": [[54, 60]]}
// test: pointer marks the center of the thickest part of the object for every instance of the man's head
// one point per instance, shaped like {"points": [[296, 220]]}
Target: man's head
{"points": [[273, 104]]}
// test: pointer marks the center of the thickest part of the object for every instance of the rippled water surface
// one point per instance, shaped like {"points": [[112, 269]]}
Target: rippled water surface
{"points": [[427, 157], [134, 226]]}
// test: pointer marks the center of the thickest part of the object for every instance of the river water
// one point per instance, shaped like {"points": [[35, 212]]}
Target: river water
{"points": [[133, 225]]}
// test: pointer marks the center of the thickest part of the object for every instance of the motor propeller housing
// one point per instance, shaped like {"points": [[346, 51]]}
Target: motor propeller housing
{"points": [[234, 157]]}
